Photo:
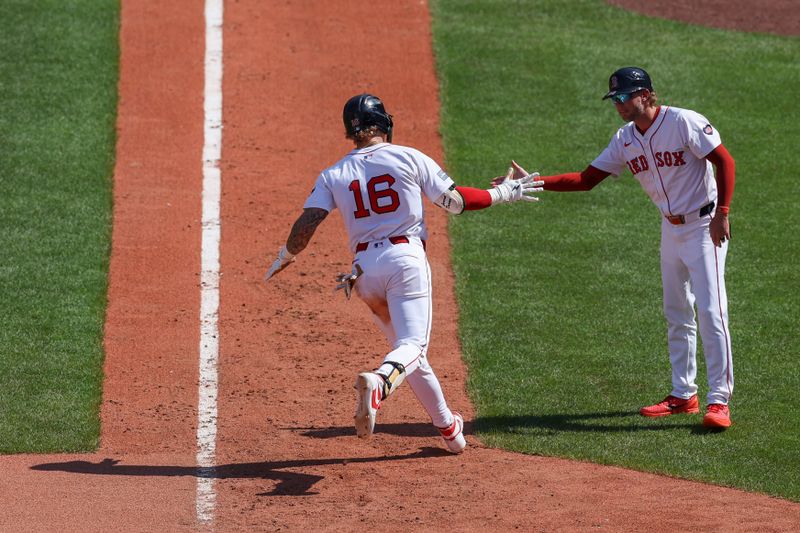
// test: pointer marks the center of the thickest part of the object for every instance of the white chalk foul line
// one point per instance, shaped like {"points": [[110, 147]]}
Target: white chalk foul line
{"points": [[209, 271]]}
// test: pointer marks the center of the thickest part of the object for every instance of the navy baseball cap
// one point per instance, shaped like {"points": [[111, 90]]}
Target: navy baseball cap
{"points": [[628, 80]]}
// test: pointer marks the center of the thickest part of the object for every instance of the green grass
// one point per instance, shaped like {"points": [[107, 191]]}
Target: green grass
{"points": [[560, 302], [58, 75], [560, 315]]}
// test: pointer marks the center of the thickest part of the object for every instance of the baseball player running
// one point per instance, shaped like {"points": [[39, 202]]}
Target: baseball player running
{"points": [[378, 188], [671, 152]]}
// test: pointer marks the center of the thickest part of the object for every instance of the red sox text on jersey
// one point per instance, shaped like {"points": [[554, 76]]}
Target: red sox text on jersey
{"points": [[660, 159], [663, 159]]}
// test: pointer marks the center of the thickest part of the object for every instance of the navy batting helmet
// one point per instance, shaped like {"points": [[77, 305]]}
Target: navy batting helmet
{"points": [[365, 110], [628, 80]]}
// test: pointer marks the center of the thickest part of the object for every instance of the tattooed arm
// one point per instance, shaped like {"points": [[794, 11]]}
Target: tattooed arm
{"points": [[302, 231], [304, 228]]}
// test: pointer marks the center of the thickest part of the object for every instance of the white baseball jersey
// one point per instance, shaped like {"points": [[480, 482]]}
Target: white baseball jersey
{"points": [[379, 190], [668, 160]]}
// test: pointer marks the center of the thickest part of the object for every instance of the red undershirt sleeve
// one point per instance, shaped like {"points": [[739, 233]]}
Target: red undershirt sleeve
{"points": [[575, 181], [474, 198], [725, 176]]}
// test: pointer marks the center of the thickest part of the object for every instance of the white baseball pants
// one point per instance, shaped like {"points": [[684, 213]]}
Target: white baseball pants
{"points": [[396, 286], [693, 273]]}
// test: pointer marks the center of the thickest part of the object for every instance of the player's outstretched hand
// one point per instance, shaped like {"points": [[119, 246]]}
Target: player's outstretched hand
{"points": [[284, 259], [513, 190], [514, 172]]}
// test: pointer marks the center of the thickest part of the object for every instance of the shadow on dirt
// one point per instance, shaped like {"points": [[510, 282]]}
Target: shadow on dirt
{"points": [[608, 422], [411, 429], [289, 483]]}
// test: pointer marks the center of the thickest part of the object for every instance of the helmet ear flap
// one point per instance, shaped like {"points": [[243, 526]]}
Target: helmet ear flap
{"points": [[389, 129]]}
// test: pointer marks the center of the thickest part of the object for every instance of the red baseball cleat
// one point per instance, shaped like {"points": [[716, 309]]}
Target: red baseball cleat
{"points": [[671, 405], [717, 416]]}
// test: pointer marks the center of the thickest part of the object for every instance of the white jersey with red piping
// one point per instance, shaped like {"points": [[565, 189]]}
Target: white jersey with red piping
{"points": [[668, 159]]}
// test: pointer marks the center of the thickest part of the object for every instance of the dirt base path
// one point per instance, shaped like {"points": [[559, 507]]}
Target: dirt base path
{"points": [[152, 332], [781, 17], [287, 455]]}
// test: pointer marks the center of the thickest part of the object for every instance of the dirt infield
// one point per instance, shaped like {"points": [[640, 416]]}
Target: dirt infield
{"points": [[287, 454], [781, 17]]}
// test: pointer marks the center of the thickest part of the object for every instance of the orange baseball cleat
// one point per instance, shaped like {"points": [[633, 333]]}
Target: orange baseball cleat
{"points": [[717, 416], [671, 405]]}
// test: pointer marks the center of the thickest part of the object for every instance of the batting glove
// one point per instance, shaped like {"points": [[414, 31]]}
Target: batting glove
{"points": [[346, 281], [284, 259], [513, 190]]}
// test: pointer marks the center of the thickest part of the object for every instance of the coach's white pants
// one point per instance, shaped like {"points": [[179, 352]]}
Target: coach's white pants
{"points": [[693, 272], [396, 285]]}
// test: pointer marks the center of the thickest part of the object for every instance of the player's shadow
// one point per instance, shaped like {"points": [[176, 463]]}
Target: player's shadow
{"points": [[412, 429], [288, 483], [600, 422]]}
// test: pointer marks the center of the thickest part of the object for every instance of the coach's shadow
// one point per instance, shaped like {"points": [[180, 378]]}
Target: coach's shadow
{"points": [[288, 483], [600, 422], [553, 423]]}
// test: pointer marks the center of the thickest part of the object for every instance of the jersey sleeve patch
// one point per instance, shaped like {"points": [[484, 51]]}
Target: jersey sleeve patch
{"points": [[443, 175], [708, 130]]}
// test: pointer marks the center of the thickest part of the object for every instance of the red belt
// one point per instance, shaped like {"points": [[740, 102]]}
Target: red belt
{"points": [[400, 239]]}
